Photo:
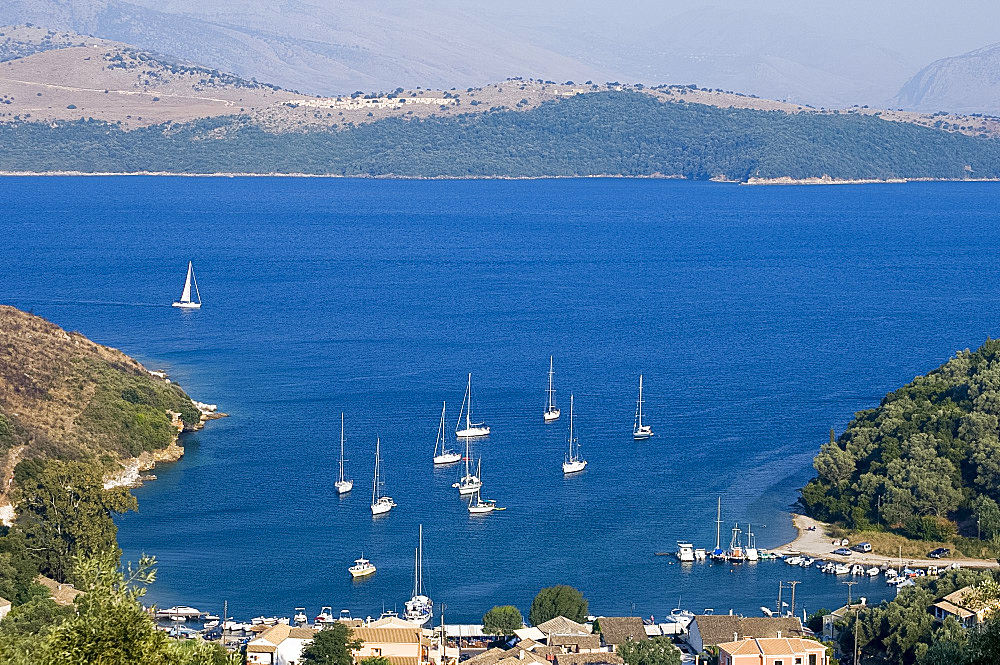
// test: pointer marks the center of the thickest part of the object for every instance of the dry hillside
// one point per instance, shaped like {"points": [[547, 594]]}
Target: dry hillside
{"points": [[62, 395]]}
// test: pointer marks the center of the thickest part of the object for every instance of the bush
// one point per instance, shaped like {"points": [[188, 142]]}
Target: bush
{"points": [[926, 527]]}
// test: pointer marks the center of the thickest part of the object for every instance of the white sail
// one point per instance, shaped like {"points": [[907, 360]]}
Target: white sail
{"points": [[186, 302]]}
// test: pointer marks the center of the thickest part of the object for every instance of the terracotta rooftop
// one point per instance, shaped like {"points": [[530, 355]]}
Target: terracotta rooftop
{"points": [[602, 658], [563, 626], [62, 594], [618, 630], [716, 629], [771, 647]]}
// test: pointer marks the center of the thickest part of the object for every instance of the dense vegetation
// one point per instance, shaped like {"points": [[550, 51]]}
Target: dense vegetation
{"points": [[606, 133], [925, 462]]}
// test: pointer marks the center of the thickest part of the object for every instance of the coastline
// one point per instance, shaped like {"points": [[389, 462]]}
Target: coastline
{"points": [[816, 543]]}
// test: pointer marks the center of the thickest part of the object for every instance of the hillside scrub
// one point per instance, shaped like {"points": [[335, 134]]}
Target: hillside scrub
{"points": [[925, 463]]}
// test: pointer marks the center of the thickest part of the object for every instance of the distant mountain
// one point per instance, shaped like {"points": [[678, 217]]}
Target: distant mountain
{"points": [[967, 83], [317, 46]]}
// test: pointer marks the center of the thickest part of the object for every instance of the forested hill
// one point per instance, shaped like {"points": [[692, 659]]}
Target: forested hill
{"points": [[925, 461], [607, 133]]}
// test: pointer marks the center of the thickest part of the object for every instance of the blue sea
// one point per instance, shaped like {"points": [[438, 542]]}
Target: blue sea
{"points": [[760, 317]]}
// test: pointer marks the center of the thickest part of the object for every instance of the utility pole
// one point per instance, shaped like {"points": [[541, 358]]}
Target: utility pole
{"points": [[444, 636], [792, 584], [781, 585]]}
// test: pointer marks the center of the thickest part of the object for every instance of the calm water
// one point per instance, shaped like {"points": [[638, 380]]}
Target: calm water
{"points": [[760, 318]]}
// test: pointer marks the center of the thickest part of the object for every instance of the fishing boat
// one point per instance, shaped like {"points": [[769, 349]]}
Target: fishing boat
{"points": [[736, 553], [343, 485], [751, 550], [362, 568], [469, 483], [718, 554], [685, 552], [573, 462], [185, 302], [300, 617], [419, 609], [551, 411], [639, 430], [380, 504], [446, 456], [471, 429]]}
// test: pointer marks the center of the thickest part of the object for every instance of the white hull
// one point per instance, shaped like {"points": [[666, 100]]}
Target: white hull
{"points": [[643, 432], [472, 432], [480, 510], [448, 458], [188, 305], [468, 485], [752, 554], [344, 486], [685, 552], [363, 572], [551, 415], [575, 466], [384, 505]]}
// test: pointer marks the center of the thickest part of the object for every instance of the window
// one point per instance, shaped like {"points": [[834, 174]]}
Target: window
{"points": [[798, 661], [779, 662], [812, 659]]}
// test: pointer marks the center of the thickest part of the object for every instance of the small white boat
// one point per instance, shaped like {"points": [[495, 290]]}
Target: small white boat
{"points": [[343, 485], [639, 430], [685, 552], [858, 569], [700, 554], [751, 549], [806, 561], [380, 504], [470, 482], [185, 302], [446, 456], [551, 412], [419, 609], [478, 505], [362, 568], [873, 571], [573, 462], [300, 617], [841, 569], [471, 429], [790, 552], [794, 560]]}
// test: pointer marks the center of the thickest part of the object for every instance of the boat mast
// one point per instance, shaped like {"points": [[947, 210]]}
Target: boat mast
{"points": [[640, 401], [341, 447], [378, 444], [468, 413], [195, 280], [551, 391], [718, 525], [440, 435], [420, 561], [571, 458]]}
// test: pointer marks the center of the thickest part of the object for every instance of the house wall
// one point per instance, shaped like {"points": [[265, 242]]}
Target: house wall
{"points": [[289, 652], [410, 650]]}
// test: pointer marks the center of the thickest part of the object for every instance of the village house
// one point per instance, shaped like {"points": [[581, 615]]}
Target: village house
{"points": [[4, 608], [772, 651], [279, 645], [599, 658], [959, 604], [830, 620], [615, 631], [401, 642], [62, 594], [709, 630]]}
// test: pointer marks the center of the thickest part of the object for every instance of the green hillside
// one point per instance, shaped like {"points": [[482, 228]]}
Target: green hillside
{"points": [[609, 133], [924, 463]]}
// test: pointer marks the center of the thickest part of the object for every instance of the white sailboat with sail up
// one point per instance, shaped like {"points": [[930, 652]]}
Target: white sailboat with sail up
{"points": [[380, 504], [471, 429], [446, 456], [551, 411], [468, 483], [185, 302], [573, 462], [640, 430], [419, 609], [343, 485]]}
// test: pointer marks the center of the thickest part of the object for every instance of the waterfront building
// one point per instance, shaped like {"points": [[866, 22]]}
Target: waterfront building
{"points": [[772, 651], [958, 604], [615, 631], [279, 645], [4, 608], [401, 642], [830, 620], [709, 630]]}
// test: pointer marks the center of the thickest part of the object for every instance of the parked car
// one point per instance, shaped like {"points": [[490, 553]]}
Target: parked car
{"points": [[939, 553], [864, 547], [842, 551]]}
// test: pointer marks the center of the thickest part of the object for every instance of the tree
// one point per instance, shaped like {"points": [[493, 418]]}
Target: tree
{"points": [[331, 646], [502, 621], [650, 652], [983, 647], [559, 600], [64, 512]]}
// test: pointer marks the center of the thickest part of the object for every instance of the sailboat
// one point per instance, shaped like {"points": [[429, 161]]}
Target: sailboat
{"points": [[736, 553], [446, 456], [573, 462], [478, 505], [551, 412], [419, 608], [380, 504], [718, 554], [639, 430], [343, 485], [185, 302], [471, 429], [470, 482]]}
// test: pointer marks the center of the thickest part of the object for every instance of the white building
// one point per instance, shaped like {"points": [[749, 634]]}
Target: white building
{"points": [[279, 645]]}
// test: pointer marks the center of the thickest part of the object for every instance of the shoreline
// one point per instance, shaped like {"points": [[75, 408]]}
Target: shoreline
{"points": [[817, 544], [755, 182]]}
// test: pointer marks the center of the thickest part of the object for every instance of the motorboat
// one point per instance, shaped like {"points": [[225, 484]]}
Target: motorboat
{"points": [[685, 552], [362, 568]]}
